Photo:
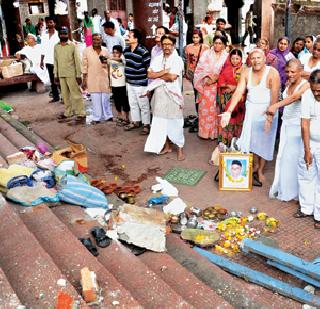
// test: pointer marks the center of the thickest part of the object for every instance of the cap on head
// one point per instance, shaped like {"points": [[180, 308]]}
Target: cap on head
{"points": [[63, 30]]}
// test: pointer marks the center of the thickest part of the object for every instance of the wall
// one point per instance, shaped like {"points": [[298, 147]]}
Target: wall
{"points": [[267, 20], [24, 11], [304, 20], [101, 5]]}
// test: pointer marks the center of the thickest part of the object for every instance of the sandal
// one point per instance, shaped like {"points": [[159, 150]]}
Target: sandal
{"points": [[300, 214], [255, 181], [145, 130], [131, 126], [99, 234], [317, 225], [89, 245]]}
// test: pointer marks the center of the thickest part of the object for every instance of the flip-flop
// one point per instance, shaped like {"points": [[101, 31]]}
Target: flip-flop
{"points": [[255, 181], [89, 245], [99, 234]]}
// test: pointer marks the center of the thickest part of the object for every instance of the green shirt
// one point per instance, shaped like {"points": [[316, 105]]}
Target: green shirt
{"points": [[66, 61], [29, 29]]}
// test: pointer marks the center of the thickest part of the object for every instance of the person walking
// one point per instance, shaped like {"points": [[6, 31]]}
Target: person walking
{"points": [[248, 26], [67, 73], [137, 64], [48, 41], [96, 79]]}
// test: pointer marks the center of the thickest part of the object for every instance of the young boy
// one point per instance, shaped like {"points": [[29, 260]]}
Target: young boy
{"points": [[118, 85]]}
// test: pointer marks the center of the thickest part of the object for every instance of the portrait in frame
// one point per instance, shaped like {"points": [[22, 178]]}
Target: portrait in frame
{"points": [[235, 172]]}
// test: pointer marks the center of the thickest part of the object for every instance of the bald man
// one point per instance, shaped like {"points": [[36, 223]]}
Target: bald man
{"points": [[285, 183], [262, 84]]}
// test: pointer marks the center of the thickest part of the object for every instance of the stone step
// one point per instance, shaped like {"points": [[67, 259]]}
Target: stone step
{"points": [[3, 162], [71, 256], [144, 284], [183, 282], [13, 136], [29, 269], [8, 297], [6, 147]]}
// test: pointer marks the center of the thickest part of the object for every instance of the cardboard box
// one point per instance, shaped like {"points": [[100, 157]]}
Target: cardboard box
{"points": [[89, 285]]}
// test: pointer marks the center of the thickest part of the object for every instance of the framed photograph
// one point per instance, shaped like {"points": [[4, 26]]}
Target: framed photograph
{"points": [[235, 172]]}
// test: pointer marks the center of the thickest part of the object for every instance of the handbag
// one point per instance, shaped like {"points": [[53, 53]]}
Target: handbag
{"points": [[190, 73]]}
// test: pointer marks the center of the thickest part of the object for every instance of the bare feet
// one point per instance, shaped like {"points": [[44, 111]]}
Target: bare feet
{"points": [[261, 176], [166, 149], [181, 155]]}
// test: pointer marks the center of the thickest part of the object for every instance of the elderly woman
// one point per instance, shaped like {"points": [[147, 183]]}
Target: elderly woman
{"points": [[32, 51], [205, 81], [283, 54]]}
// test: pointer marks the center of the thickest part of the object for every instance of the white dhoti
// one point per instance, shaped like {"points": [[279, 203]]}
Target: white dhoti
{"points": [[253, 137], [101, 106], [309, 183], [42, 74], [167, 122], [285, 183]]}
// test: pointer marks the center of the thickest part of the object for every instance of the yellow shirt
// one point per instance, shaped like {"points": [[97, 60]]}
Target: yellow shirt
{"points": [[66, 61]]}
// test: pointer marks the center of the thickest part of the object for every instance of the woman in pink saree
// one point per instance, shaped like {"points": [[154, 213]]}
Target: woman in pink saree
{"points": [[205, 81]]}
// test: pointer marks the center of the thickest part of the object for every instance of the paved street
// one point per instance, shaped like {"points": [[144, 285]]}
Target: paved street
{"points": [[118, 155]]}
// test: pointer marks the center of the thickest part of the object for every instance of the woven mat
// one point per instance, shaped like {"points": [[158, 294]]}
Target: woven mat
{"points": [[184, 176]]}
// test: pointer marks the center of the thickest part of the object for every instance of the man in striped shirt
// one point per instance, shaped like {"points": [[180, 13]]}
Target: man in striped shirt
{"points": [[137, 64]]}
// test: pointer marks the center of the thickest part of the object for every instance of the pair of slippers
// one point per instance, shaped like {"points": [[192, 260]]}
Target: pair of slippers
{"points": [[101, 239]]}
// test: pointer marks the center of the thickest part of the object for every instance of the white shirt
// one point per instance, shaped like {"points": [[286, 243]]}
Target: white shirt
{"points": [[310, 109], [96, 20], [47, 45], [116, 26], [175, 27], [117, 76], [165, 19], [112, 41], [33, 53], [130, 25], [305, 62]]}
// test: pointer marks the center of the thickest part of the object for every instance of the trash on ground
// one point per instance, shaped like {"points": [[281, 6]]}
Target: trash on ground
{"points": [[32, 196], [175, 207], [143, 227], [89, 284]]}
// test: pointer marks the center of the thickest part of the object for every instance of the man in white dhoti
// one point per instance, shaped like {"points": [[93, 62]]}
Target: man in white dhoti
{"points": [[262, 84], [167, 101], [309, 162], [285, 183], [33, 51]]}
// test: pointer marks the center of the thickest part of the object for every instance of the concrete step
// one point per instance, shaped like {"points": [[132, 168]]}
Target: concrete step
{"points": [[71, 256], [12, 135], [8, 297], [6, 147], [144, 284], [237, 292], [3, 162], [29, 269], [183, 282]]}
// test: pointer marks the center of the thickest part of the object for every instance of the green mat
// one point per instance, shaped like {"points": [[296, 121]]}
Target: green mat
{"points": [[6, 107], [184, 176]]}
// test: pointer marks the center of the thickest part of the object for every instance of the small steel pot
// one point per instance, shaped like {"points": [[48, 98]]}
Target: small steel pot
{"points": [[253, 210], [192, 222]]}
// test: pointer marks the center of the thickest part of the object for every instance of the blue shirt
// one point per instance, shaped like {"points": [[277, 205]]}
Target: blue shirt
{"points": [[137, 64]]}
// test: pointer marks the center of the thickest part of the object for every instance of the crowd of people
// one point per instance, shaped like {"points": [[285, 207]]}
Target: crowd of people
{"points": [[249, 97]]}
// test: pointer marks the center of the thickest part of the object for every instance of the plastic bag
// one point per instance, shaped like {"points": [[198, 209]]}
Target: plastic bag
{"points": [[76, 191]]}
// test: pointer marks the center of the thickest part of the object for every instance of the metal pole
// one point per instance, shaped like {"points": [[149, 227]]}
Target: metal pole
{"points": [[287, 18], [181, 17]]}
